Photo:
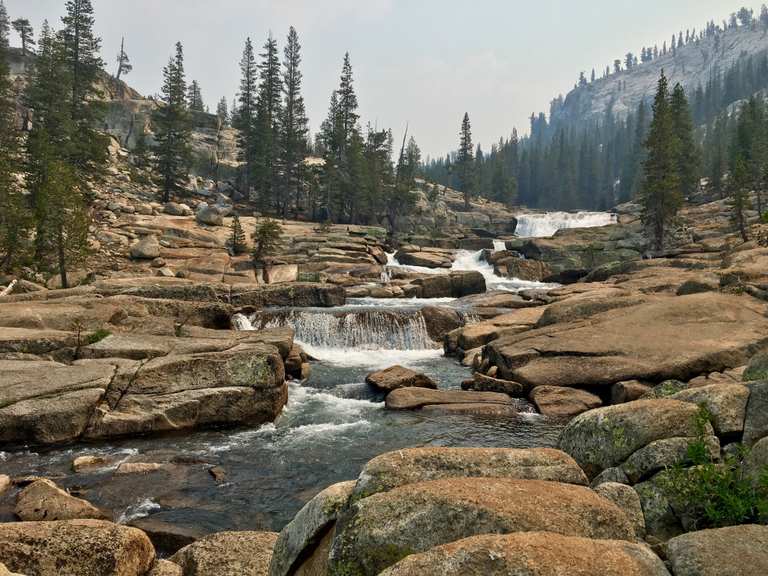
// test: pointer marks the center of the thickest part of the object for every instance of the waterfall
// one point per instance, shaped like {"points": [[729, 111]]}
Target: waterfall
{"points": [[499, 245], [473, 261], [241, 322], [366, 329], [545, 225]]}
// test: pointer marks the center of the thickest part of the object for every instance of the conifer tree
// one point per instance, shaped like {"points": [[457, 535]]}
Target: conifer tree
{"points": [[84, 64], [268, 112], [195, 97], [465, 161], [266, 240], [222, 112], [237, 236], [172, 134], [123, 62], [244, 117], [687, 152], [25, 32], [294, 125], [13, 211], [739, 194], [660, 195]]}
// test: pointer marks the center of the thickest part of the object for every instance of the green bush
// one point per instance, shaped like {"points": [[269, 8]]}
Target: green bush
{"points": [[98, 336], [715, 494]]}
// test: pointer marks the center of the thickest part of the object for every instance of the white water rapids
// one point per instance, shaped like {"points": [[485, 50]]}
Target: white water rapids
{"points": [[546, 225]]}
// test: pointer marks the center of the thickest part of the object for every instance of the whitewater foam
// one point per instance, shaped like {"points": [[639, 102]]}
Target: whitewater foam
{"points": [[140, 509], [473, 261], [375, 359], [545, 225]]}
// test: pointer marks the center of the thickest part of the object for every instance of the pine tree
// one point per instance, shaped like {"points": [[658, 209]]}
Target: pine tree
{"points": [[84, 65], [268, 112], [123, 62], [294, 125], [465, 161], [222, 112], [660, 195], [687, 152], [172, 134], [348, 116], [237, 236], [195, 97], [57, 190], [266, 240], [14, 219], [25, 32], [739, 195], [244, 117]]}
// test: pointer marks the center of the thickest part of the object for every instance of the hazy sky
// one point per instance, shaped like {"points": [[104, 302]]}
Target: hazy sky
{"points": [[425, 62]]}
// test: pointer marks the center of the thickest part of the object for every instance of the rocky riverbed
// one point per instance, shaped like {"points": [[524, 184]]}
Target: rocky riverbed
{"points": [[481, 404]]}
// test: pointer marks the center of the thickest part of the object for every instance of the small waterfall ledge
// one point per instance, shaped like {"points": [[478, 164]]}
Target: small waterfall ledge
{"points": [[546, 225]]}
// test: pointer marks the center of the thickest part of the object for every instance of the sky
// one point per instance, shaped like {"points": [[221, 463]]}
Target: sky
{"points": [[417, 62]]}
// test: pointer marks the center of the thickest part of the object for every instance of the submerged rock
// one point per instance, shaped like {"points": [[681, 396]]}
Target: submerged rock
{"points": [[532, 554], [413, 465], [398, 377], [378, 531], [413, 398], [43, 500]]}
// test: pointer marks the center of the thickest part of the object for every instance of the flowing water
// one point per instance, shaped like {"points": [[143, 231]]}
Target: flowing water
{"points": [[332, 425], [545, 225]]}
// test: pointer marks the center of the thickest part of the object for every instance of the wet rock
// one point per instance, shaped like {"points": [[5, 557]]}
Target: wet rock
{"points": [[148, 248], [606, 437], [5, 483], [563, 402], [302, 536], [440, 321], [168, 538], [43, 500], [413, 398], [627, 500], [227, 554], [378, 531], [732, 551], [482, 383], [532, 554], [75, 548], [727, 404], [473, 409], [453, 285], [662, 454], [82, 463], [413, 465], [426, 259], [398, 377], [529, 270]]}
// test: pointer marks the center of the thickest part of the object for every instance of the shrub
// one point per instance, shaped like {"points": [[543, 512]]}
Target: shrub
{"points": [[98, 336], [266, 239], [715, 494]]}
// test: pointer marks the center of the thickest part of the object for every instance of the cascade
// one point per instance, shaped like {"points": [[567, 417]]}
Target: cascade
{"points": [[545, 225]]}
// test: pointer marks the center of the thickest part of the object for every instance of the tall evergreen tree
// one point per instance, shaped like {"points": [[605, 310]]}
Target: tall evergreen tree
{"points": [[195, 97], [244, 117], [660, 195], [687, 152], [465, 161], [26, 34], [294, 125], [124, 65], [172, 134], [268, 112], [222, 111]]}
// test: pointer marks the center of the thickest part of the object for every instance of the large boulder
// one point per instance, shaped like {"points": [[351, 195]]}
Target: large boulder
{"points": [[642, 342], [175, 209], [627, 500], [209, 215], [378, 531], [532, 554], [43, 500], [482, 383], [756, 418], [305, 536], [757, 369], [606, 437], [440, 321], [75, 548], [563, 402], [413, 465], [148, 248], [732, 551], [453, 285], [426, 259], [227, 554], [727, 404], [665, 453], [398, 377]]}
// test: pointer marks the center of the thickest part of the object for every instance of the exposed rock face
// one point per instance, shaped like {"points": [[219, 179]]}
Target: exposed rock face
{"points": [[756, 418], [378, 531], [398, 377], [426, 258], [228, 554], [641, 342], [75, 548], [563, 402], [532, 554], [606, 437], [413, 465], [166, 568], [440, 321], [43, 500], [733, 551], [300, 538], [757, 368], [453, 285]]}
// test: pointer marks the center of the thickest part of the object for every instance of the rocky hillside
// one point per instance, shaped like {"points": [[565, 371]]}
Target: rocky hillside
{"points": [[692, 66]]}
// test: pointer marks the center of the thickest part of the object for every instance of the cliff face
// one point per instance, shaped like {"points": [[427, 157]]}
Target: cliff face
{"points": [[692, 65]]}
